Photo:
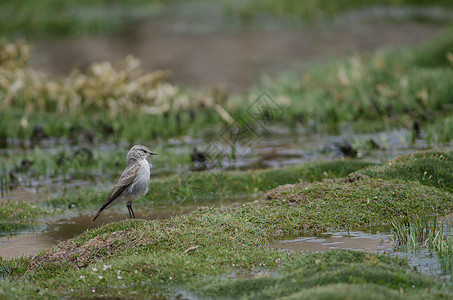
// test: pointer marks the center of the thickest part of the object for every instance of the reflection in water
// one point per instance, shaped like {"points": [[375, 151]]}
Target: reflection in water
{"points": [[24, 193], [353, 240], [423, 260]]}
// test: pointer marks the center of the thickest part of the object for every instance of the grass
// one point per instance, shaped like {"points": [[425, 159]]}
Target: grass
{"points": [[196, 251], [383, 87], [315, 10], [56, 18], [82, 161], [193, 187], [440, 131], [17, 217], [427, 168], [415, 233], [151, 108], [223, 252], [21, 211], [435, 52], [345, 270], [386, 89], [426, 232], [10, 228]]}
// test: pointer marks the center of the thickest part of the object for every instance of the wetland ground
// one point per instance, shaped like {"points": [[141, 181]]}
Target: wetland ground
{"points": [[280, 124]]}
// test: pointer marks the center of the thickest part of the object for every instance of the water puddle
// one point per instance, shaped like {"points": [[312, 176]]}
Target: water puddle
{"points": [[423, 260], [352, 240], [24, 193]]}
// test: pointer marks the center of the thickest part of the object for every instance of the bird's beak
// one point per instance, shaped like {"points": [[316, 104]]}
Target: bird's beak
{"points": [[152, 153]]}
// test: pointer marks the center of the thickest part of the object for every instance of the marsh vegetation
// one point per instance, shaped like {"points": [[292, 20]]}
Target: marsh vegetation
{"points": [[361, 142]]}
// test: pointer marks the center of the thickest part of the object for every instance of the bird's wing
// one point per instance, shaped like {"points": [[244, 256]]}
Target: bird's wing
{"points": [[128, 176]]}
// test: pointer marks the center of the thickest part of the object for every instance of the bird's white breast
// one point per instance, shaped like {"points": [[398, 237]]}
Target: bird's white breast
{"points": [[144, 173]]}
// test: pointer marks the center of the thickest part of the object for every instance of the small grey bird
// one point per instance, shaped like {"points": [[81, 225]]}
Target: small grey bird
{"points": [[134, 181]]}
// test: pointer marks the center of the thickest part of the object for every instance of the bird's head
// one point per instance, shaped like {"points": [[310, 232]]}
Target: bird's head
{"points": [[139, 152]]}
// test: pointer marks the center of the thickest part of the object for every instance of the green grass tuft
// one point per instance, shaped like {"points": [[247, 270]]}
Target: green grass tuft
{"points": [[8, 228], [435, 52], [14, 267], [213, 185], [427, 168]]}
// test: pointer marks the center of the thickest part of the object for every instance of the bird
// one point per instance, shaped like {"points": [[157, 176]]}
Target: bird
{"points": [[133, 182]]}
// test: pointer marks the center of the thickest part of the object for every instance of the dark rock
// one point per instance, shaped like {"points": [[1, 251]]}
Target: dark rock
{"points": [[24, 166], [37, 135], [347, 150], [199, 160]]}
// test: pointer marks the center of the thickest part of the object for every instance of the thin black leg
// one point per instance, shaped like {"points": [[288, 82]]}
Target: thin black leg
{"points": [[131, 212]]}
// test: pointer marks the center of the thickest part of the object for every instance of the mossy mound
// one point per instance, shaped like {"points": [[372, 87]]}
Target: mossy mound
{"points": [[427, 168], [199, 251], [320, 274], [290, 210], [193, 251]]}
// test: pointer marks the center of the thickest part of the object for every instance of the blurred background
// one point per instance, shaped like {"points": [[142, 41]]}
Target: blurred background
{"points": [[83, 80], [227, 44]]}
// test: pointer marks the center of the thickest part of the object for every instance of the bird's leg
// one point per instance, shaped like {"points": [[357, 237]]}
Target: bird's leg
{"points": [[131, 211]]}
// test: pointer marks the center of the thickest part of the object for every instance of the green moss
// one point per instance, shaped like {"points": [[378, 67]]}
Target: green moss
{"points": [[347, 276], [347, 291], [20, 291], [367, 201], [427, 168], [199, 251]]}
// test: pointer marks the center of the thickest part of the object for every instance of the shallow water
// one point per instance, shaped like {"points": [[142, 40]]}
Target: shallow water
{"points": [[423, 260], [352, 240]]}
